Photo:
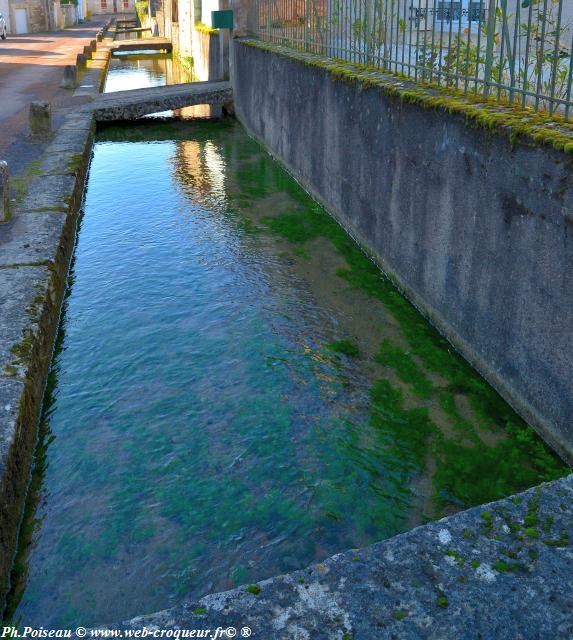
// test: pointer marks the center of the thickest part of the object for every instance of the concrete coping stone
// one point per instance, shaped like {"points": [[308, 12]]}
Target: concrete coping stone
{"points": [[502, 570], [35, 247]]}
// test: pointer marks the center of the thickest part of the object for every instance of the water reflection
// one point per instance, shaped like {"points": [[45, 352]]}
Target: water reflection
{"points": [[138, 70], [205, 437]]}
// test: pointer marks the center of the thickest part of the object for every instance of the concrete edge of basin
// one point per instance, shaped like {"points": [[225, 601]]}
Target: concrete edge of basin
{"points": [[501, 570], [55, 194]]}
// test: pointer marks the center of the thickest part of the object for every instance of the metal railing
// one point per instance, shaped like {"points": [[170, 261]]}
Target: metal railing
{"points": [[519, 52]]}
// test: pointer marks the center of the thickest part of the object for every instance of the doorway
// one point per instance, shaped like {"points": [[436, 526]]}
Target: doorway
{"points": [[21, 19]]}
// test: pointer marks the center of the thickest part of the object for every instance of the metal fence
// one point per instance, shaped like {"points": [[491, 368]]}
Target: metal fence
{"points": [[517, 51]]}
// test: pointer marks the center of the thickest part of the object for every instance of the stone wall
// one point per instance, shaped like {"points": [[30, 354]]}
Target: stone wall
{"points": [[109, 6], [207, 62], [36, 244], [37, 17], [474, 226]]}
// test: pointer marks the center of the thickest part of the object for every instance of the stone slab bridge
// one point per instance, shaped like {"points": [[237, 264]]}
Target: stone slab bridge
{"points": [[129, 105], [141, 44]]}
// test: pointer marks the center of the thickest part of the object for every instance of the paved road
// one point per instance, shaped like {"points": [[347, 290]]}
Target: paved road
{"points": [[31, 68]]}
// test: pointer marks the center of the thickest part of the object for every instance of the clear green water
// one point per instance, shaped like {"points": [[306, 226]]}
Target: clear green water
{"points": [[237, 391], [135, 71]]}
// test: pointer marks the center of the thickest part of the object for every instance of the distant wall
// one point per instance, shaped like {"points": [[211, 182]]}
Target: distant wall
{"points": [[479, 235], [37, 18], [207, 62], [110, 6], [197, 49]]}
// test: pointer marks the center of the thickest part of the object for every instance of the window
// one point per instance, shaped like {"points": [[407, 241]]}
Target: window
{"points": [[461, 12], [103, 4]]}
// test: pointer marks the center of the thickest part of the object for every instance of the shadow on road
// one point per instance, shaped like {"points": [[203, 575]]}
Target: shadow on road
{"points": [[29, 53]]}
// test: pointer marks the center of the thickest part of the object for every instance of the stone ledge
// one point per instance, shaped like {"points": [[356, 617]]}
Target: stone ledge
{"points": [[35, 248], [128, 105], [502, 570], [520, 125]]}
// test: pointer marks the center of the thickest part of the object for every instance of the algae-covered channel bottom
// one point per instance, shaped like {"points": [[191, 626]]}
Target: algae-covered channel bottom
{"points": [[237, 391]]}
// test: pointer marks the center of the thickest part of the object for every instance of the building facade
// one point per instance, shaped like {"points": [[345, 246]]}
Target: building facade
{"points": [[98, 7], [31, 16]]}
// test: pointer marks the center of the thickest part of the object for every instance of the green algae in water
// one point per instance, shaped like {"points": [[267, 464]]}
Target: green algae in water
{"points": [[469, 471], [346, 347], [393, 356], [206, 432]]}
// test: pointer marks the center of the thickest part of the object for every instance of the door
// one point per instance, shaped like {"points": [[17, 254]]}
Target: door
{"points": [[21, 19]]}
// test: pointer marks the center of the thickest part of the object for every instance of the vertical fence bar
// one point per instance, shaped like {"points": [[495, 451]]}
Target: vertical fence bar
{"points": [[391, 43], [502, 48], [516, 54], [418, 22], [410, 33], [458, 45], [402, 23], [527, 51], [478, 46], [556, 54], [305, 27], [433, 45], [425, 45], [569, 83], [448, 59], [490, 43], [540, 56], [468, 49], [528, 55]]}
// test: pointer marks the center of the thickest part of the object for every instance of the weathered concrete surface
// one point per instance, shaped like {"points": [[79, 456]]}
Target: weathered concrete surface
{"points": [[503, 571], [35, 248], [475, 228], [10, 392], [70, 78], [29, 238], [143, 44], [128, 105], [21, 339]]}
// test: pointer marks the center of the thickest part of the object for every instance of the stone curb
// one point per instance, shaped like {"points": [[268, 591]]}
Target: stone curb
{"points": [[37, 243], [502, 570]]}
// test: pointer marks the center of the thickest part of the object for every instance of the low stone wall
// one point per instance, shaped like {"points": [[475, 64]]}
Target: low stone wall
{"points": [[468, 209], [36, 244], [500, 571]]}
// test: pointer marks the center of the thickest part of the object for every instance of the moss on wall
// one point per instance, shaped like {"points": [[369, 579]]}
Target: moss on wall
{"points": [[520, 125]]}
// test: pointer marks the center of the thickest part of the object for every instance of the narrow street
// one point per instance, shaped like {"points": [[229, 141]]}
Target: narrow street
{"points": [[31, 68]]}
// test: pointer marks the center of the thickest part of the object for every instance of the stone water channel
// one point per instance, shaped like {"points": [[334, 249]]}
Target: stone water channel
{"points": [[236, 390]]}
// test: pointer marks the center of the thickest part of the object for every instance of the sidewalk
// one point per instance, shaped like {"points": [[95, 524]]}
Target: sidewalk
{"points": [[31, 68]]}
